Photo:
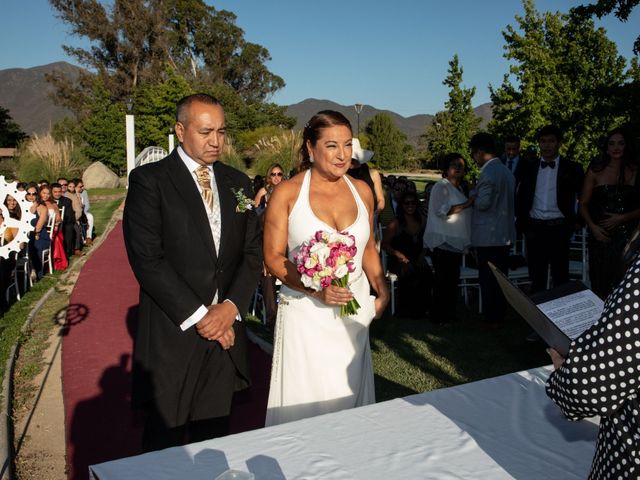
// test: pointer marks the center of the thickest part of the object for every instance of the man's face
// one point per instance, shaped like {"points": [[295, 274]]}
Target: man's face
{"points": [[512, 149], [63, 185], [202, 134], [549, 147], [56, 192], [80, 187]]}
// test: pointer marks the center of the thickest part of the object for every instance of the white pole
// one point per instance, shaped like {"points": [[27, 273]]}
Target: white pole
{"points": [[171, 144], [131, 143]]}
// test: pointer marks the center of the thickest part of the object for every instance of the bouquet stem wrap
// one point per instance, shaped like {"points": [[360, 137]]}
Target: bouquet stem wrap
{"points": [[352, 306]]}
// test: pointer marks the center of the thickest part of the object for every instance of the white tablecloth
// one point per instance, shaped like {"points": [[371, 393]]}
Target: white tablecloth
{"points": [[503, 427]]}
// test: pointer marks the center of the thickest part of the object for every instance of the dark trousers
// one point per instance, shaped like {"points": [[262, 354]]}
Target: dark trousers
{"points": [[69, 238], [547, 246], [199, 410], [445, 287], [493, 301], [268, 286]]}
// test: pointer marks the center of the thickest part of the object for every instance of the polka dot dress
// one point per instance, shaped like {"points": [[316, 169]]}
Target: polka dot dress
{"points": [[601, 376]]}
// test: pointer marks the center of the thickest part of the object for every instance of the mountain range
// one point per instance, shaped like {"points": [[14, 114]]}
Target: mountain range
{"points": [[25, 93]]}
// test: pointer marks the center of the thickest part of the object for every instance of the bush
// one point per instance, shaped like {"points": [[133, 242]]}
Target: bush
{"points": [[282, 149], [43, 157]]}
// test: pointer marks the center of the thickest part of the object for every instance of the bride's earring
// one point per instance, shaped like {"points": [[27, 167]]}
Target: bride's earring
{"points": [[311, 158]]}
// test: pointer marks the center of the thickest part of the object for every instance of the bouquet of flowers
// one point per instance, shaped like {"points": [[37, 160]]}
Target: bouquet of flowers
{"points": [[325, 259]]}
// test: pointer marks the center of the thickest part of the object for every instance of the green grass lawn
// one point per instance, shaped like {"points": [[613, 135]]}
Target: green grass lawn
{"points": [[104, 201], [412, 356]]}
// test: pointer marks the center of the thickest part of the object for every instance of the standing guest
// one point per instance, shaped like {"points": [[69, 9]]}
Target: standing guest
{"points": [[600, 377], [274, 176], [195, 250], [371, 176], [306, 380], [68, 217], [448, 235], [492, 224], [402, 240], [76, 203], [39, 239], [57, 246], [86, 205], [546, 210], [610, 205], [511, 157]]}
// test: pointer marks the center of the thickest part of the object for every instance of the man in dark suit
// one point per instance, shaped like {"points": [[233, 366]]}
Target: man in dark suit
{"points": [[68, 218], [511, 158], [197, 255], [546, 205]]}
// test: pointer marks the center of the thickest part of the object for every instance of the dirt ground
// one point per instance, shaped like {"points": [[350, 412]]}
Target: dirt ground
{"points": [[39, 432]]}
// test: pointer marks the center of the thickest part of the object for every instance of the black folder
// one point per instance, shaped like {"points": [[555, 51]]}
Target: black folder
{"points": [[528, 309]]}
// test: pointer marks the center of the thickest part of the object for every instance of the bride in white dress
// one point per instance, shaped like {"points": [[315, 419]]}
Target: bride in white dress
{"points": [[321, 361]]}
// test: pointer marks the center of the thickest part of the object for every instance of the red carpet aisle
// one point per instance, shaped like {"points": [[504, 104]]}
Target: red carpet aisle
{"points": [[96, 365]]}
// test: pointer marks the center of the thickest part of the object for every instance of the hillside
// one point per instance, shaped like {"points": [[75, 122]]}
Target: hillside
{"points": [[412, 127], [25, 92]]}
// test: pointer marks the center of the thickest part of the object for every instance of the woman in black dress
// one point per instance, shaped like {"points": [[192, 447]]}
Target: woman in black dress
{"points": [[402, 241], [610, 204], [601, 376]]}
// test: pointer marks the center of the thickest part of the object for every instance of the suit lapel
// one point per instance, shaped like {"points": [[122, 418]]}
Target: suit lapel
{"points": [[186, 187]]}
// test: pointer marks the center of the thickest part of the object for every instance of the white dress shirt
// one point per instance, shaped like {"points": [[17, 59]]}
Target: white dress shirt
{"points": [[215, 223], [545, 198]]}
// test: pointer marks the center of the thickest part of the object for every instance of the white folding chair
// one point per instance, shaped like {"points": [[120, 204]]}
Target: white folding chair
{"points": [[520, 275], [579, 257], [47, 256], [469, 278]]}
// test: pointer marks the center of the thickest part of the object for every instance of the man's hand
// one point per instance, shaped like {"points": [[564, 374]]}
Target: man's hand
{"points": [[227, 339], [218, 320]]}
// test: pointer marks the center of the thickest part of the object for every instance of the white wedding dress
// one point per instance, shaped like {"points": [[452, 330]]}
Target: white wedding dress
{"points": [[321, 362]]}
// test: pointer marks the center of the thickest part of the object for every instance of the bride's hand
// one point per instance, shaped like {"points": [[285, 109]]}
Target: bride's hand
{"points": [[334, 295]]}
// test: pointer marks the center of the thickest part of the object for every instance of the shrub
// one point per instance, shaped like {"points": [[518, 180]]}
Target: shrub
{"points": [[282, 149], [43, 157]]}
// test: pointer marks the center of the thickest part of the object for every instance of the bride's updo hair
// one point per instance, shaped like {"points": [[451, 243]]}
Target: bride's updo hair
{"points": [[311, 132]]}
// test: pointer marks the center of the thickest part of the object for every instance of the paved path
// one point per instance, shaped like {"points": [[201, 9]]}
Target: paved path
{"points": [[96, 365]]}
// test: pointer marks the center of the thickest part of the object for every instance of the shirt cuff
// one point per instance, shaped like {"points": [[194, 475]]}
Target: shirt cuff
{"points": [[238, 317], [194, 318]]}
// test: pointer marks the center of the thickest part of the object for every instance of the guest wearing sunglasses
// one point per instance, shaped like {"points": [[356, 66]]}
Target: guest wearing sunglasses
{"points": [[275, 174], [39, 240], [402, 240]]}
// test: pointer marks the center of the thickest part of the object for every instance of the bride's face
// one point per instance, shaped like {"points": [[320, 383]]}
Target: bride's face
{"points": [[332, 152]]}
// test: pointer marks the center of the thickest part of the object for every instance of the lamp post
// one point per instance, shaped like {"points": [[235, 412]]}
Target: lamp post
{"points": [[130, 137], [358, 107]]}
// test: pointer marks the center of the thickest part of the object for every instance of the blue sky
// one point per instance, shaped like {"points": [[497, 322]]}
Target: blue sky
{"points": [[391, 55]]}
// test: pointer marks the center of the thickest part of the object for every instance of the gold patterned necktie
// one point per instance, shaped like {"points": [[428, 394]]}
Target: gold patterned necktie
{"points": [[204, 180]]}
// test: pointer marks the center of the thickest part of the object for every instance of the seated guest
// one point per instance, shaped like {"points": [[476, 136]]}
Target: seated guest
{"points": [[600, 377], [57, 246], [610, 204], [39, 239], [6, 264], [402, 240], [68, 217], [448, 235]]}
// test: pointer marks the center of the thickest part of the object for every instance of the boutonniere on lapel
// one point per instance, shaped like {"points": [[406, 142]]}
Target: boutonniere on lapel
{"points": [[244, 203]]}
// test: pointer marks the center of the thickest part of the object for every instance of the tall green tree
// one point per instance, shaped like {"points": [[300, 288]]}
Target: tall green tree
{"points": [[133, 40], [562, 72], [452, 128], [464, 121], [10, 132], [387, 141], [601, 8]]}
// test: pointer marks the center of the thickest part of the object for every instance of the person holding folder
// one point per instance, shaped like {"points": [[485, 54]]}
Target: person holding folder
{"points": [[601, 376]]}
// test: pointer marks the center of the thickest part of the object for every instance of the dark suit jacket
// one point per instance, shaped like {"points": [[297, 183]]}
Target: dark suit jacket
{"points": [[69, 217], [172, 253], [568, 188]]}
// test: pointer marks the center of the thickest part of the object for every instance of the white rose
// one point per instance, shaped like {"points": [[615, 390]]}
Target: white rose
{"points": [[341, 271]]}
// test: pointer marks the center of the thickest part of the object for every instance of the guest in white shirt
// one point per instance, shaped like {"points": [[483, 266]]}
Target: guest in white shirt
{"points": [[448, 235]]}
